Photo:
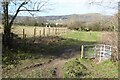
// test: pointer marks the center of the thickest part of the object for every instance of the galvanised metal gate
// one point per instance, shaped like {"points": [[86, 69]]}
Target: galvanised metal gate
{"points": [[96, 51]]}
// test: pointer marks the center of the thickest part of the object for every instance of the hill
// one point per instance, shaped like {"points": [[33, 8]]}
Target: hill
{"points": [[90, 17]]}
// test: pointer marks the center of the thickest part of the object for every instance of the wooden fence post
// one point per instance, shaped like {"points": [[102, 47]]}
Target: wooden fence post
{"points": [[25, 36], [34, 33], [40, 33], [43, 31], [49, 31], [55, 31], [82, 50], [23, 33], [58, 30]]}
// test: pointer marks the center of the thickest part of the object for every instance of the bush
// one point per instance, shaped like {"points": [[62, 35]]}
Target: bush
{"points": [[74, 69]]}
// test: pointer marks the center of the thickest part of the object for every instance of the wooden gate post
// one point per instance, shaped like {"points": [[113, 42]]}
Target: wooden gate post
{"points": [[82, 49]]}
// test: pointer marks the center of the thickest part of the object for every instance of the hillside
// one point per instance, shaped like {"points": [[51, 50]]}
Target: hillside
{"points": [[80, 17], [90, 17]]}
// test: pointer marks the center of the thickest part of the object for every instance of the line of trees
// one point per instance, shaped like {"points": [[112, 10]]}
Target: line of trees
{"points": [[98, 25]]}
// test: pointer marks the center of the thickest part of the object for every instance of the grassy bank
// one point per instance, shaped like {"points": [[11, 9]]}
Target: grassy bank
{"points": [[82, 68]]}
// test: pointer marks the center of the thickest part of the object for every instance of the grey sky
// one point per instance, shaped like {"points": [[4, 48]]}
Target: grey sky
{"points": [[66, 7]]}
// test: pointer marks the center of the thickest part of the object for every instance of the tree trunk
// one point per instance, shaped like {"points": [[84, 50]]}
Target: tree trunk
{"points": [[7, 27]]}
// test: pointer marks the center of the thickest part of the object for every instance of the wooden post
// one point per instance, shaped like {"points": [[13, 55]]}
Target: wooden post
{"points": [[58, 31], [23, 33], [34, 33], [40, 33], [52, 30], [110, 52], [82, 49], [55, 31], [25, 36], [43, 31], [48, 31]]}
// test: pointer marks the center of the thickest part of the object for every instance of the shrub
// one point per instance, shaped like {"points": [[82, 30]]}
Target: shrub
{"points": [[73, 69]]}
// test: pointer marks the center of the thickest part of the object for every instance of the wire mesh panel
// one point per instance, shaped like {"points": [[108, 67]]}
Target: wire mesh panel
{"points": [[89, 51], [98, 51]]}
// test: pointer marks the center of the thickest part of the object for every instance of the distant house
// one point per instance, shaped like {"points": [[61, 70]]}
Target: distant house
{"points": [[46, 24], [58, 24]]}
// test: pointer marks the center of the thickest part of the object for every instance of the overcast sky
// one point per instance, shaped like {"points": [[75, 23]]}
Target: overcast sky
{"points": [[66, 7]]}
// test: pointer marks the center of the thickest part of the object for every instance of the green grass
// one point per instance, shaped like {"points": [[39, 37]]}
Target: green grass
{"points": [[105, 69], [73, 69], [44, 51], [83, 36], [89, 52], [13, 62], [38, 73]]}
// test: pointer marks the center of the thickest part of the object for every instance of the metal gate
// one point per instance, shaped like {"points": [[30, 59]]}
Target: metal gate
{"points": [[97, 51]]}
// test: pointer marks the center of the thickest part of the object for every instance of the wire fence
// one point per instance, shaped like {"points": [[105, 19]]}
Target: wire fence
{"points": [[38, 31]]}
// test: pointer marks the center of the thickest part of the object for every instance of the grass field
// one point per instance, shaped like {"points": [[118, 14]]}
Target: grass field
{"points": [[55, 56], [83, 36], [29, 30]]}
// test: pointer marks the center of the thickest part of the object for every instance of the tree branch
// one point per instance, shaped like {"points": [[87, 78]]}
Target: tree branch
{"points": [[101, 4], [28, 10], [44, 4], [12, 20]]}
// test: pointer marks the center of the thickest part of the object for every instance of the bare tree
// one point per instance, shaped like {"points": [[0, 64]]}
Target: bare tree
{"points": [[110, 4], [16, 6]]}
